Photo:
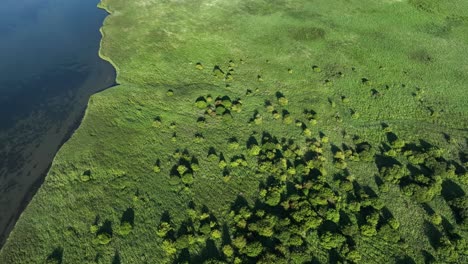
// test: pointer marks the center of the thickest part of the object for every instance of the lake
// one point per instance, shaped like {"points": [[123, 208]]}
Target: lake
{"points": [[49, 66]]}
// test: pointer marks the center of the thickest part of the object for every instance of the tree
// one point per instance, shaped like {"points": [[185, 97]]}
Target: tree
{"points": [[393, 174], [330, 240], [169, 247], [125, 228], [368, 230], [187, 178], [253, 249], [239, 242], [181, 169], [283, 101], [163, 229], [228, 251], [103, 238]]}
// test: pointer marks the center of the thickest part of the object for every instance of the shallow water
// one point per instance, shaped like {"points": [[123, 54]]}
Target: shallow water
{"points": [[49, 66]]}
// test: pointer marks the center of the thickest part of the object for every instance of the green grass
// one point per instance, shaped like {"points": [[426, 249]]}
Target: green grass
{"points": [[411, 53]]}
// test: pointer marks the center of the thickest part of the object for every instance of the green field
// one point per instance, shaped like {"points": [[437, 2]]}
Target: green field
{"points": [[263, 131]]}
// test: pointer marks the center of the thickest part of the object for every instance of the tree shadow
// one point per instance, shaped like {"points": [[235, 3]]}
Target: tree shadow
{"points": [[56, 256], [386, 214], [251, 141], [428, 257], [433, 234], [279, 95], [391, 137], [428, 209], [239, 203], [384, 161], [369, 191], [106, 228], [212, 151], [183, 257], [116, 259], [128, 217], [226, 237], [209, 252], [378, 180], [425, 145], [334, 149], [334, 257], [448, 227], [404, 260], [451, 190]]}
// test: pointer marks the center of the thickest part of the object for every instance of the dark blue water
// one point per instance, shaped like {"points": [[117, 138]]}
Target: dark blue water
{"points": [[47, 48], [49, 66]]}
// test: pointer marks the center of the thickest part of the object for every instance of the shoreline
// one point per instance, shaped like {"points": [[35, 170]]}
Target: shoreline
{"points": [[103, 34], [80, 115]]}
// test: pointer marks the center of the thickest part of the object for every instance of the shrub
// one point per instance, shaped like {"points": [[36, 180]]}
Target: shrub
{"points": [[393, 174], [103, 238], [228, 251], [354, 256], [169, 247], [93, 229], [199, 66], [395, 224], [239, 242], [125, 228], [330, 240], [287, 119], [201, 104], [156, 168], [163, 229], [253, 249], [216, 234], [220, 109], [283, 101], [187, 178], [181, 169], [255, 150], [436, 219], [368, 230]]}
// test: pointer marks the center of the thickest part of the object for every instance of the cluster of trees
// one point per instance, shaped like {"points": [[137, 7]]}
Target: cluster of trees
{"points": [[297, 213], [363, 151], [420, 170], [182, 172], [220, 106]]}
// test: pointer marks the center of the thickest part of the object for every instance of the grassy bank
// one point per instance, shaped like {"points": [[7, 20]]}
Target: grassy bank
{"points": [[265, 131]]}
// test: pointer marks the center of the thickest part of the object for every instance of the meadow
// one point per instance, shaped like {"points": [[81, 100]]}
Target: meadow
{"points": [[265, 132]]}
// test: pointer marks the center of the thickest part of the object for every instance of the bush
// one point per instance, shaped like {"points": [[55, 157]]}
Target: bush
{"points": [[436, 219], [103, 238], [169, 247], [201, 104], [125, 228], [393, 174], [330, 240], [156, 169], [187, 178], [163, 229], [239, 242], [216, 234], [181, 169], [253, 249], [228, 251], [368, 230], [255, 150]]}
